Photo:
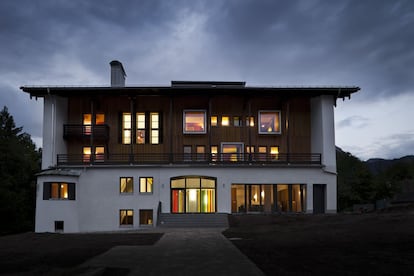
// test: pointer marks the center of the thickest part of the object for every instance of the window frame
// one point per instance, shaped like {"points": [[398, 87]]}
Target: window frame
{"points": [[145, 212], [128, 223], [204, 112], [126, 185], [154, 139], [146, 185], [70, 188], [279, 117], [124, 129]]}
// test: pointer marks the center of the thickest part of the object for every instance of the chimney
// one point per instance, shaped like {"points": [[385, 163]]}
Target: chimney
{"points": [[117, 74]]}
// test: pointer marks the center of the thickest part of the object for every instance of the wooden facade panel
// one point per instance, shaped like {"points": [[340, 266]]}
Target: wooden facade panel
{"points": [[171, 110]]}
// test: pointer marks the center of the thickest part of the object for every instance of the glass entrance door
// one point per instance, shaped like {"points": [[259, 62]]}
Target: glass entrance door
{"points": [[193, 195]]}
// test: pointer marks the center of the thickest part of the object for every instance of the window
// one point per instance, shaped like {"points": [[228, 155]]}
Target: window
{"points": [[250, 149], [262, 153], [145, 184], [58, 190], [269, 122], [155, 128], [100, 119], [214, 153], [59, 225], [201, 150], [126, 217], [87, 122], [187, 153], [213, 120], [232, 152], [274, 152], [225, 120], [140, 128], [250, 121], [126, 185], [126, 128], [145, 217], [194, 121], [236, 121], [99, 153]]}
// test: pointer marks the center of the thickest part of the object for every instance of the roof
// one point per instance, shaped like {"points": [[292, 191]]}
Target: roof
{"points": [[191, 88]]}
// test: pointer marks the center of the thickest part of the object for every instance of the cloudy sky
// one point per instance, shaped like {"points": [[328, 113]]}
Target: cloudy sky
{"points": [[367, 43]]}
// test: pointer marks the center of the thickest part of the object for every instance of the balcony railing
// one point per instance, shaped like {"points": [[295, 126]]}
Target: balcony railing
{"points": [[182, 158], [85, 131]]}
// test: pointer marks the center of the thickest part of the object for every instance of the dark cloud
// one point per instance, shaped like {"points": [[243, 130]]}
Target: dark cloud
{"points": [[306, 42]]}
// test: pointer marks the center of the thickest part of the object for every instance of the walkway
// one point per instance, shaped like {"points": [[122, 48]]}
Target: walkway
{"points": [[180, 251]]}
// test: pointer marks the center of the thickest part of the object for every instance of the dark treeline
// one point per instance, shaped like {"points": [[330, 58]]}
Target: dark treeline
{"points": [[376, 179], [19, 162]]}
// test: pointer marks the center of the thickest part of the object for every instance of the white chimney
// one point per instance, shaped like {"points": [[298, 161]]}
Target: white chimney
{"points": [[117, 74]]}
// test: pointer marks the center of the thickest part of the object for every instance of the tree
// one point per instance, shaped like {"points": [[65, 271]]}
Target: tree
{"points": [[19, 162], [355, 182]]}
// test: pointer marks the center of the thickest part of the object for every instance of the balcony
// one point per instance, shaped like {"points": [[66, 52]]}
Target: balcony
{"points": [[280, 159], [98, 132]]}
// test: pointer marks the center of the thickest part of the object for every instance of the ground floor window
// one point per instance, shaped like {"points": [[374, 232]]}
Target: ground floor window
{"points": [[268, 198], [193, 194], [126, 217], [145, 217]]}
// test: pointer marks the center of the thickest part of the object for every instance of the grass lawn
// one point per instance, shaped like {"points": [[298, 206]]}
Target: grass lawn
{"points": [[343, 244]]}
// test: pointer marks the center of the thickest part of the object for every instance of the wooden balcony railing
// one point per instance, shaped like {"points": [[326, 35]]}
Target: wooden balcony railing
{"points": [[180, 158], [85, 131]]}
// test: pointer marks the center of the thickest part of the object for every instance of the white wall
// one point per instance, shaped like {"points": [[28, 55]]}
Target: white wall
{"points": [[54, 116], [323, 130], [98, 199]]}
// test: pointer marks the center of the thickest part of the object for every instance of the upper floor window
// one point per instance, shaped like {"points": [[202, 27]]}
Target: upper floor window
{"points": [[155, 128], [213, 120], [194, 121], [250, 121], [99, 154], [126, 128], [274, 152], [269, 122], [237, 121], [87, 122], [58, 190], [225, 120], [140, 128]]}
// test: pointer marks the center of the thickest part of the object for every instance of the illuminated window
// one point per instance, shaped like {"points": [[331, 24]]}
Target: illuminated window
{"points": [[145, 217], [225, 120], [262, 153], [201, 150], [269, 122], [250, 121], [99, 153], [126, 128], [87, 122], [274, 152], [155, 128], [126, 217], [194, 121], [237, 121], [214, 153], [250, 149], [100, 119], [213, 120], [58, 190], [126, 185], [86, 154], [145, 184], [140, 128]]}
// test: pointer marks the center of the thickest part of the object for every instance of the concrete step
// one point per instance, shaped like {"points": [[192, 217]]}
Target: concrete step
{"points": [[193, 220]]}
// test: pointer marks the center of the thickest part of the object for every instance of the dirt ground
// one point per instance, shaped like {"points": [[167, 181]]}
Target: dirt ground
{"points": [[54, 254], [344, 244]]}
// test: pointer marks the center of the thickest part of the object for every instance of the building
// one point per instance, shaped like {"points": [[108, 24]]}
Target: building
{"points": [[119, 157]]}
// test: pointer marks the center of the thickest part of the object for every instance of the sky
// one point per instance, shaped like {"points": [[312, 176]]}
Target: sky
{"points": [[364, 43]]}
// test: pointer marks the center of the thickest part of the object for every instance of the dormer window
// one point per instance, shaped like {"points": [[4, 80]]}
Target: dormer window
{"points": [[194, 122]]}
